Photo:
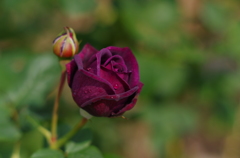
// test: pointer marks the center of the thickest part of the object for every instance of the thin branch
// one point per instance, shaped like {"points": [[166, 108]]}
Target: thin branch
{"points": [[55, 108]]}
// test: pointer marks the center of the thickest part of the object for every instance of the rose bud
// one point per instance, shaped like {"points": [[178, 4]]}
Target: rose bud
{"points": [[66, 44], [106, 82]]}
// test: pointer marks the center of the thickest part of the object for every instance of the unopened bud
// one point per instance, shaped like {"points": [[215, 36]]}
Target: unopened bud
{"points": [[66, 44]]}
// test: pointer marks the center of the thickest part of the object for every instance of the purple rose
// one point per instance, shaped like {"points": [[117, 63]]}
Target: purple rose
{"points": [[106, 82]]}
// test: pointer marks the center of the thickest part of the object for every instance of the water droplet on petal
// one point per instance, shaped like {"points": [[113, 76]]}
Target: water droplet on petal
{"points": [[88, 69], [115, 86], [74, 93], [85, 92]]}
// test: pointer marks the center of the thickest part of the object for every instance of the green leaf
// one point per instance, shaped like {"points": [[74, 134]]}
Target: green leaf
{"points": [[12, 66], [82, 141], [39, 79], [47, 153], [72, 147], [5, 111], [8, 132], [91, 152]]}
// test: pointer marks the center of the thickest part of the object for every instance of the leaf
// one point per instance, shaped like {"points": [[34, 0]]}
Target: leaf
{"points": [[72, 147], [12, 66], [5, 111], [91, 152], [47, 153], [83, 140], [39, 79], [8, 132]]}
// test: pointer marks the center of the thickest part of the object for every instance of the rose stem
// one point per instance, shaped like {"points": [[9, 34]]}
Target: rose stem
{"points": [[71, 133], [16, 150], [56, 104]]}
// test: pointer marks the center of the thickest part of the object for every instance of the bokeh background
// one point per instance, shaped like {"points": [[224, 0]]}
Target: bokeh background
{"points": [[188, 53]]}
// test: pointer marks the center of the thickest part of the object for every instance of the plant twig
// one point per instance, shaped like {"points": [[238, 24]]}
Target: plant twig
{"points": [[55, 108], [16, 151]]}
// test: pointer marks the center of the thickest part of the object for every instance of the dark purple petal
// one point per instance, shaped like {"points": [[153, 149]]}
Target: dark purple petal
{"points": [[117, 83], [130, 105], [71, 68], [78, 60], [86, 86], [130, 62], [118, 67], [140, 85], [97, 60], [105, 105], [102, 56], [87, 52], [116, 62], [124, 75], [126, 108]]}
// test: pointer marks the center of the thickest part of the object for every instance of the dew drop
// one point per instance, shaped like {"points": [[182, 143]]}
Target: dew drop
{"points": [[85, 92], [74, 93], [115, 86], [88, 69]]}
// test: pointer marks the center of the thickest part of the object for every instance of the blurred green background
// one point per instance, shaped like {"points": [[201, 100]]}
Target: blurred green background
{"points": [[188, 53]]}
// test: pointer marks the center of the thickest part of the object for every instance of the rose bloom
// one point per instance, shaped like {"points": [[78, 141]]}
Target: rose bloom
{"points": [[106, 82]]}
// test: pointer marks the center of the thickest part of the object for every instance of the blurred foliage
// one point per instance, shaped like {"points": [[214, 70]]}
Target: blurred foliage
{"points": [[188, 54]]}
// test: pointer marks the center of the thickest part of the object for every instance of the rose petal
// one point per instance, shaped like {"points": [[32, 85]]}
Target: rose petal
{"points": [[71, 68], [102, 56], [126, 108], [118, 67], [117, 83], [86, 53], [130, 62], [97, 60], [86, 86], [124, 75], [116, 60], [78, 60], [130, 105], [105, 105]]}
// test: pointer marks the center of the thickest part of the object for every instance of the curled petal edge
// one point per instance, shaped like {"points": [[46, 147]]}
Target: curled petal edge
{"points": [[115, 97]]}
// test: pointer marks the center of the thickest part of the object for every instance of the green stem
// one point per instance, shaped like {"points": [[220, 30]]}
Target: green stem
{"points": [[70, 134], [41, 129], [16, 151], [55, 108]]}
